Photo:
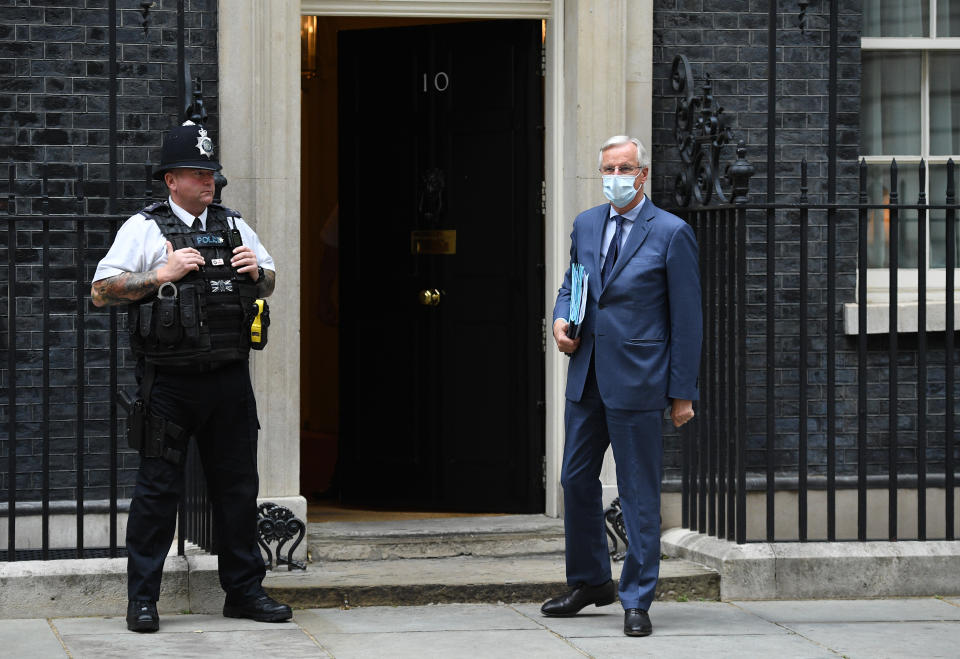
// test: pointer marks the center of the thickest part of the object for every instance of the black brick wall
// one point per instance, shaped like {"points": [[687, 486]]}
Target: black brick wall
{"points": [[728, 40], [54, 118]]}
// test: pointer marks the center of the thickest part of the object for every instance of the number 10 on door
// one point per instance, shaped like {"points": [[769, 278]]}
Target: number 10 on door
{"points": [[440, 82]]}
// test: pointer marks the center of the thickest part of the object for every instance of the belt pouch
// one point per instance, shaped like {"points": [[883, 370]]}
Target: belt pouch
{"points": [[133, 318], [169, 331], [153, 442], [136, 419], [188, 312], [146, 319], [264, 318]]}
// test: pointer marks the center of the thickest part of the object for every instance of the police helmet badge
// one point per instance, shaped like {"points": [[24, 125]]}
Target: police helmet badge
{"points": [[204, 143], [188, 145]]}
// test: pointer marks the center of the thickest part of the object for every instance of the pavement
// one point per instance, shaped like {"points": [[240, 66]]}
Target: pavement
{"points": [[864, 628]]}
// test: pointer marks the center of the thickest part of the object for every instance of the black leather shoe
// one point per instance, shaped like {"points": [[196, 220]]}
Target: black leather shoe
{"points": [[636, 622], [262, 608], [581, 596], [142, 616]]}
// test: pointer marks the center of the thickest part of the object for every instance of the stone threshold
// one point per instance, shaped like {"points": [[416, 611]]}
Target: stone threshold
{"points": [[462, 579]]}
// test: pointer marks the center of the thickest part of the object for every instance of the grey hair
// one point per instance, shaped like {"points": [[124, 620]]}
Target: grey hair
{"points": [[617, 140]]}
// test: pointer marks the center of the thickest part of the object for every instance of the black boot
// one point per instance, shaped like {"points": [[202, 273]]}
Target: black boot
{"points": [[142, 616], [261, 607]]}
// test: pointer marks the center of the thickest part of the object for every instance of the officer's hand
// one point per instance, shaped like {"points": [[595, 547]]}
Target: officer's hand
{"points": [[681, 411], [179, 263], [244, 260], [564, 342]]}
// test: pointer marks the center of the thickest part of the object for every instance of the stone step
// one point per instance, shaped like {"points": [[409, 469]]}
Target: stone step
{"points": [[404, 582], [495, 535]]}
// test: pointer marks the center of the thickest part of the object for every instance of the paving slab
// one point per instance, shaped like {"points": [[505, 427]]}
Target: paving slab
{"points": [[885, 610], [293, 644], [169, 624], [668, 618], [184, 637], [530, 644], [880, 640], [29, 639], [448, 617], [783, 629], [781, 646]]}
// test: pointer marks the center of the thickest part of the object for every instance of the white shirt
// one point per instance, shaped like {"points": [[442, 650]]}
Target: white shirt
{"points": [[141, 247], [611, 228]]}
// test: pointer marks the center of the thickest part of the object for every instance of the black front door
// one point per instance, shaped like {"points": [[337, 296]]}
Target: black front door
{"points": [[441, 231]]}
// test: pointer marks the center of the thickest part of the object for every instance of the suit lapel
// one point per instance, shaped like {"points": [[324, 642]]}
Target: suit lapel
{"points": [[599, 224], [641, 227]]}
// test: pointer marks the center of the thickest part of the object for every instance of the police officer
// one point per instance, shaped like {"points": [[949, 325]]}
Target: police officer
{"points": [[190, 272]]}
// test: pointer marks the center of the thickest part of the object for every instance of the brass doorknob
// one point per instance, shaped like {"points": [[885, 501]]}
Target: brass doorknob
{"points": [[429, 297]]}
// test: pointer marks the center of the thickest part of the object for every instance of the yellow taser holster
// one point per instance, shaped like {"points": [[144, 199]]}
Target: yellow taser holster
{"points": [[261, 321]]}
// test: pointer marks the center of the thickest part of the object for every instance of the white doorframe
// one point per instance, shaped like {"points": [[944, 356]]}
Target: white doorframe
{"points": [[556, 231], [598, 83], [540, 9]]}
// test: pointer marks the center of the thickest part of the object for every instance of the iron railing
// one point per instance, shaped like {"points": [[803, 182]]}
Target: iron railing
{"points": [[47, 257], [57, 358], [775, 351], [65, 362]]}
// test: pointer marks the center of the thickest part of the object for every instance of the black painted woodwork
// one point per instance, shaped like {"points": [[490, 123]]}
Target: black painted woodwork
{"points": [[440, 404]]}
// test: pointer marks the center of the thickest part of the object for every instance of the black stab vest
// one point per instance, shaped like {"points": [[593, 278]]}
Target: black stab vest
{"points": [[206, 319]]}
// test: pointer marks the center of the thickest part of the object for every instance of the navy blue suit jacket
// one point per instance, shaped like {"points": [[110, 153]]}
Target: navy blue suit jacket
{"points": [[644, 327]]}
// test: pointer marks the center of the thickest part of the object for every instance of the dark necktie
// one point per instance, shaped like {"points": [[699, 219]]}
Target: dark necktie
{"points": [[613, 251], [196, 226]]}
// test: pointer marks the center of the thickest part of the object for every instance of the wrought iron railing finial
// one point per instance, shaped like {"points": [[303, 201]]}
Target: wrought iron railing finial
{"points": [[739, 174]]}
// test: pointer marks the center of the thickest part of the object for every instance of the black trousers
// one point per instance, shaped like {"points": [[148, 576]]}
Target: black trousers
{"points": [[219, 409]]}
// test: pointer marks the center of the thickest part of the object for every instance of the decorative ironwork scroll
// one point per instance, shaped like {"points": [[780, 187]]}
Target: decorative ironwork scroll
{"points": [[802, 16], [145, 12], [701, 132], [616, 529], [278, 524]]}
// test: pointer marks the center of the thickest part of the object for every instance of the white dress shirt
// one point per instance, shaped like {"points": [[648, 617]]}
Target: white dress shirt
{"points": [[141, 247], [611, 228]]}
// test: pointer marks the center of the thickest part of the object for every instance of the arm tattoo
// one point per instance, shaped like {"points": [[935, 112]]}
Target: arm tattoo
{"points": [[266, 284], [124, 288]]}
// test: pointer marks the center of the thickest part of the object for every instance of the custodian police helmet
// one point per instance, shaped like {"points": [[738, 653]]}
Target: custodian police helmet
{"points": [[186, 146]]}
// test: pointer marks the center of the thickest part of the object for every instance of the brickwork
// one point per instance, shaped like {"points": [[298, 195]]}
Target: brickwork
{"points": [[54, 121], [54, 89], [728, 40]]}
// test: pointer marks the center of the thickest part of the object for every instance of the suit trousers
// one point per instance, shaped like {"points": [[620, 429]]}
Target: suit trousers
{"points": [[219, 409], [637, 440]]}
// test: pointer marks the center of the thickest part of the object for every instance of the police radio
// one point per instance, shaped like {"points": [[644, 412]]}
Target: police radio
{"points": [[261, 321]]}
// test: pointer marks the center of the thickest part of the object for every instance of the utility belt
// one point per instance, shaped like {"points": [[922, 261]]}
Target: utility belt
{"points": [[195, 368], [175, 327], [170, 324], [153, 435]]}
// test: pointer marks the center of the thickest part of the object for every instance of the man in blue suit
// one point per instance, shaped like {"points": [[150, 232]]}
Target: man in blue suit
{"points": [[637, 352]]}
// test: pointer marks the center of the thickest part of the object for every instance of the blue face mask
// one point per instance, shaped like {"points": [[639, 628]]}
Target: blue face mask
{"points": [[619, 189]]}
